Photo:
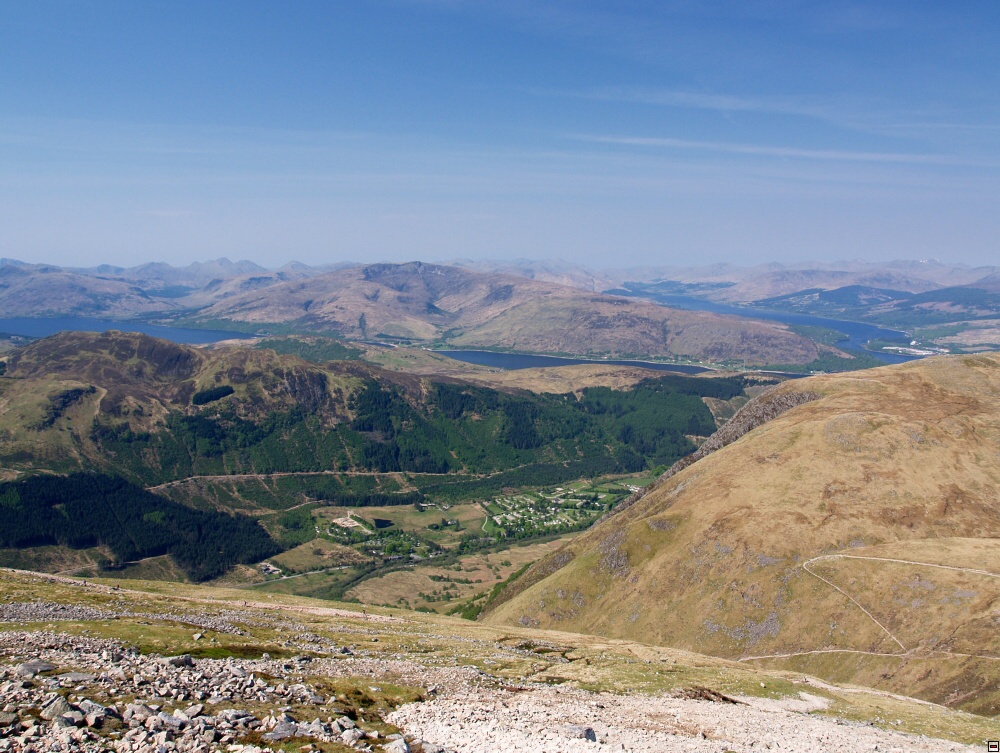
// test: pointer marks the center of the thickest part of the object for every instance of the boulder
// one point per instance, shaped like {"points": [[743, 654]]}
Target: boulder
{"points": [[579, 731], [57, 707], [282, 731], [34, 667], [351, 736], [76, 678]]}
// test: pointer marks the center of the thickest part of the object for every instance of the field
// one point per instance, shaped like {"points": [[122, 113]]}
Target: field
{"points": [[442, 524], [443, 556], [443, 588], [418, 554], [562, 379], [964, 337], [315, 555]]}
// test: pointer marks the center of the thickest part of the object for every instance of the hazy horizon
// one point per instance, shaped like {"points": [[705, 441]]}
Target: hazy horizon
{"points": [[610, 134], [514, 261]]}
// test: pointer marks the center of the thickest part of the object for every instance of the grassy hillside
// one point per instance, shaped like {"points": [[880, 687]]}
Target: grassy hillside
{"points": [[245, 431], [854, 536], [156, 412]]}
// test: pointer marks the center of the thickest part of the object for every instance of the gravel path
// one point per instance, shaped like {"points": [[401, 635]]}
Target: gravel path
{"points": [[560, 720]]}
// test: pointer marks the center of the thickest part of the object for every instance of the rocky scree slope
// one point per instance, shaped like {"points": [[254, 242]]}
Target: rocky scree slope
{"points": [[88, 667]]}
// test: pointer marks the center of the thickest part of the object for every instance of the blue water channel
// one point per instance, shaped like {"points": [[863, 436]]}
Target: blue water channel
{"points": [[516, 361], [27, 327], [858, 333]]}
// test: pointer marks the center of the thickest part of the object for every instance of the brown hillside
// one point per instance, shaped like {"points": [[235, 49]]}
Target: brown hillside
{"points": [[428, 302], [50, 291], [855, 536]]}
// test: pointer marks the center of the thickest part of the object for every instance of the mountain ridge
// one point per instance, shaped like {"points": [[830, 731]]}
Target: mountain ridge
{"points": [[425, 302], [717, 557]]}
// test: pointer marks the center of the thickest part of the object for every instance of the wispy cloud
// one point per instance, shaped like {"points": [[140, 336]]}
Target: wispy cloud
{"points": [[169, 214], [706, 101], [849, 113], [784, 152], [943, 126]]}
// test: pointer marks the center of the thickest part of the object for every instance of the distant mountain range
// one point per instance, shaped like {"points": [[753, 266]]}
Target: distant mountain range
{"points": [[415, 302], [733, 284], [437, 303], [722, 282], [108, 291], [538, 306], [979, 300]]}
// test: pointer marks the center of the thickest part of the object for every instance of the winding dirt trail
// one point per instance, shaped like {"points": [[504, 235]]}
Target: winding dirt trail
{"points": [[805, 566], [283, 474], [905, 650]]}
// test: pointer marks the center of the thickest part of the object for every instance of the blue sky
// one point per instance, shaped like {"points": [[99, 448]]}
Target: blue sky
{"points": [[609, 133]]}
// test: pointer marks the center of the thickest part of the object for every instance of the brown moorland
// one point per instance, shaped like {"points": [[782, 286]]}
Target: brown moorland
{"points": [[855, 536], [428, 302]]}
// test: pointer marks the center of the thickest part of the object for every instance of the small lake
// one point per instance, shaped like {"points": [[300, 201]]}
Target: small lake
{"points": [[858, 333], [516, 361], [29, 327]]}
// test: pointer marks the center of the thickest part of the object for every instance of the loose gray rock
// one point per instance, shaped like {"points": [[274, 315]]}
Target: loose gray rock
{"points": [[352, 736], [34, 667], [282, 731], [87, 706], [64, 722], [57, 707], [579, 731], [184, 660], [76, 677]]}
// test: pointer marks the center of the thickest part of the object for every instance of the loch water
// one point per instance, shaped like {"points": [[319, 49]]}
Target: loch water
{"points": [[30, 327]]}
